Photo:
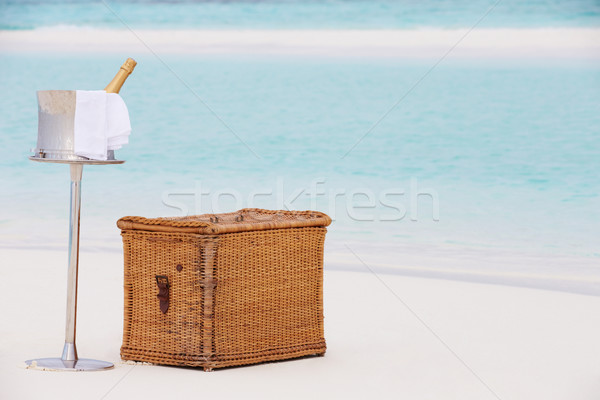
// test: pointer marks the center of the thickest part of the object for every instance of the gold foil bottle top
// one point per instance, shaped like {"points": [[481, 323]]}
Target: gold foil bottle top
{"points": [[127, 68], [129, 65]]}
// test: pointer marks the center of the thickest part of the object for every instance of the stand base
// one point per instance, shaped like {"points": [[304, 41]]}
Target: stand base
{"points": [[57, 364], [81, 161]]}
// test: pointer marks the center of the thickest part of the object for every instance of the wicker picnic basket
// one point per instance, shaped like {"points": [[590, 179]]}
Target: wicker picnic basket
{"points": [[221, 290]]}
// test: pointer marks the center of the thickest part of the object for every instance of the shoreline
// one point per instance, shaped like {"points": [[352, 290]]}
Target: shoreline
{"points": [[504, 268], [526, 43]]}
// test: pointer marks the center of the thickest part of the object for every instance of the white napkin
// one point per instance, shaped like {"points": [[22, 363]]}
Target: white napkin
{"points": [[101, 123]]}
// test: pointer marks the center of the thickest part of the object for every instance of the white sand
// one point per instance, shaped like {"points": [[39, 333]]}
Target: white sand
{"points": [[524, 343], [561, 43]]}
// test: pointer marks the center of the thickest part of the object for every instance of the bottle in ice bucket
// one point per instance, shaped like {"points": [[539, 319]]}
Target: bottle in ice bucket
{"points": [[126, 69]]}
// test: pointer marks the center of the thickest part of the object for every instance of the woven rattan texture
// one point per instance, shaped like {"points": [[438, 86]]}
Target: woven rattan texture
{"points": [[248, 219], [268, 297], [145, 327], [237, 298]]}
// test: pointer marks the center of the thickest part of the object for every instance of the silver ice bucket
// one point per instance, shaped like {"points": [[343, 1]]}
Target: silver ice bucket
{"points": [[56, 116]]}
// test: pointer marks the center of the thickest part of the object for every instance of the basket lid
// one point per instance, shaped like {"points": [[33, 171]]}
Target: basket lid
{"points": [[247, 219]]}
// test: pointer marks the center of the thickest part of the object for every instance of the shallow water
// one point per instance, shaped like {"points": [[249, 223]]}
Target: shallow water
{"points": [[510, 152]]}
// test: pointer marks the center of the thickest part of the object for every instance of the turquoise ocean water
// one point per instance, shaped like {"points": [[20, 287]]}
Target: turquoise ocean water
{"points": [[510, 151], [286, 14]]}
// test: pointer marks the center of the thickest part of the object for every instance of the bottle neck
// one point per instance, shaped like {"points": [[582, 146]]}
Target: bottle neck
{"points": [[115, 85]]}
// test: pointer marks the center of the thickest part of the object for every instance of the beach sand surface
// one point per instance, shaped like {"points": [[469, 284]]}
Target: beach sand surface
{"points": [[388, 336], [522, 43]]}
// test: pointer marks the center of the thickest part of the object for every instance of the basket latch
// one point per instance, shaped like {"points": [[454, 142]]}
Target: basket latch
{"points": [[162, 281]]}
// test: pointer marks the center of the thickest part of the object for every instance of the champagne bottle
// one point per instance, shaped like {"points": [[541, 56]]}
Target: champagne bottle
{"points": [[127, 68]]}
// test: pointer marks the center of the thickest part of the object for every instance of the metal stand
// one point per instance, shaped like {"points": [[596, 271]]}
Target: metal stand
{"points": [[69, 360]]}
